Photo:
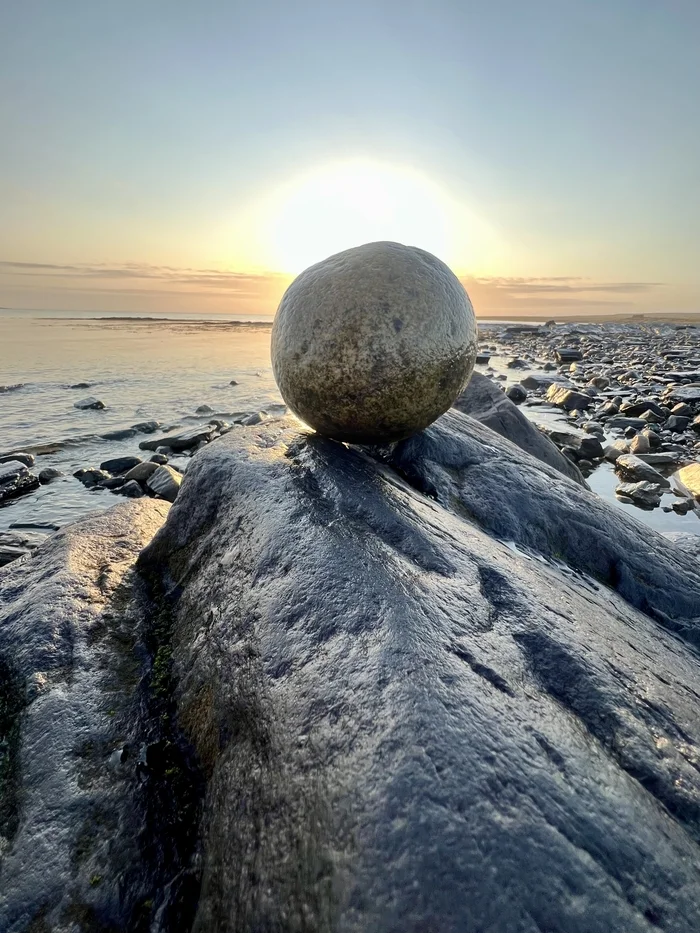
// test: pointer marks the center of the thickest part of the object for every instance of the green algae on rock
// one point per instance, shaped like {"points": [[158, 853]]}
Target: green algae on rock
{"points": [[373, 344]]}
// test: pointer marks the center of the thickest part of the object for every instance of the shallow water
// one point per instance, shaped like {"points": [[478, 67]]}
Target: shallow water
{"points": [[141, 370], [152, 370]]}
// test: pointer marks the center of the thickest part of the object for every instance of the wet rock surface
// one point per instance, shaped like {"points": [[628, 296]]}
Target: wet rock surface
{"points": [[356, 689], [75, 812], [15, 479]]}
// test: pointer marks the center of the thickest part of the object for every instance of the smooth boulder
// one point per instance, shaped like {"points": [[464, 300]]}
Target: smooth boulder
{"points": [[374, 343]]}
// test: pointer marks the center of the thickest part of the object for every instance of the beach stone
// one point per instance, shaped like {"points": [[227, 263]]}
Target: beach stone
{"points": [[131, 489], [165, 482], [677, 423], [89, 402], [119, 465], [21, 457], [687, 480], [48, 474], [568, 354], [568, 399], [640, 444], [92, 477], [15, 479], [374, 343], [142, 471], [643, 492], [517, 394], [634, 469]]}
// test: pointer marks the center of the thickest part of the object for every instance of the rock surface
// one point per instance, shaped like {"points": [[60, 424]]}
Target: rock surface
{"points": [[165, 482], [431, 716], [485, 402], [438, 686], [73, 810], [15, 479], [374, 343], [87, 403]]}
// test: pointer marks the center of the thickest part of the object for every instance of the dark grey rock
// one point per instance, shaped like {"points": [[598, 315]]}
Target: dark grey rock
{"points": [[89, 403], [620, 421], [119, 434], [181, 441], [204, 410], [142, 471], [13, 545], [467, 735], [637, 409], [12, 388], [688, 394], [591, 448], [486, 403], [114, 482], [683, 410], [15, 480], [165, 483], [255, 418], [27, 459], [131, 489], [568, 354], [233, 382], [49, 474], [158, 458], [634, 469], [642, 492], [538, 382], [118, 465], [92, 477], [146, 427], [77, 816], [677, 423], [517, 394]]}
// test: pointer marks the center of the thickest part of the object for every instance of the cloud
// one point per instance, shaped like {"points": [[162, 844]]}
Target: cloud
{"points": [[143, 286], [167, 275], [559, 285]]}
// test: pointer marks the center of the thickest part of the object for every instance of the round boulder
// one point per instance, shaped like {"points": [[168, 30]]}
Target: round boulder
{"points": [[373, 344]]}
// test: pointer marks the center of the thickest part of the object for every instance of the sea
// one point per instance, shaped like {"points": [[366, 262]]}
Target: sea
{"points": [[160, 367]]}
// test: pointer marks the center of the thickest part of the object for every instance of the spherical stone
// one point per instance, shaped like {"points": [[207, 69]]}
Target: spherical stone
{"points": [[373, 344]]}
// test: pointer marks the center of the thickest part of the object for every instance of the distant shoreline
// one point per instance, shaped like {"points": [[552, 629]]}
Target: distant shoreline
{"points": [[655, 317]]}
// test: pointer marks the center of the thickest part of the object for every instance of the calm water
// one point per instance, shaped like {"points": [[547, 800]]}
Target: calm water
{"points": [[141, 370], [149, 370]]}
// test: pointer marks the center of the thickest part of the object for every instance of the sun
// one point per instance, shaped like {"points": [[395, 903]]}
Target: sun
{"points": [[343, 205]]}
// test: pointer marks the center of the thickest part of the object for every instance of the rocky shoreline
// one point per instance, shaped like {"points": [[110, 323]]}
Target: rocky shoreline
{"points": [[436, 685], [630, 393]]}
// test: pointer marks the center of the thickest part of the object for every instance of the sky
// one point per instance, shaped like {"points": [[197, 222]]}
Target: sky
{"points": [[195, 156]]}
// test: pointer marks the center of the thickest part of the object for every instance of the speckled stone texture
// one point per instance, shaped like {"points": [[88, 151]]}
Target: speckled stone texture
{"points": [[373, 344]]}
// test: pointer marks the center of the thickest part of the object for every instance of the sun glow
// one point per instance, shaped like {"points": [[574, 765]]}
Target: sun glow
{"points": [[347, 204]]}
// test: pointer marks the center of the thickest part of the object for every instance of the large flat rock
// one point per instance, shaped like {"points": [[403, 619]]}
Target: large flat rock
{"points": [[452, 692]]}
